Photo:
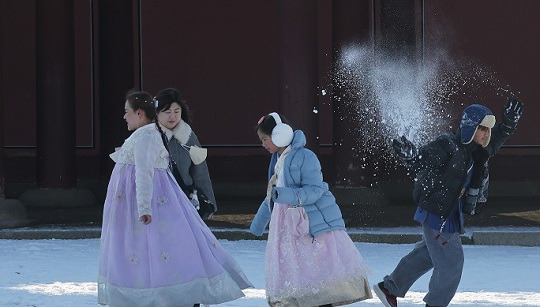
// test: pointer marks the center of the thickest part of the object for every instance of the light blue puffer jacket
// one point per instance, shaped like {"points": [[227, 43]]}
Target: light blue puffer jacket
{"points": [[303, 177]]}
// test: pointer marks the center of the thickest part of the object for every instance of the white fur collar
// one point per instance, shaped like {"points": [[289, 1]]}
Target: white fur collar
{"points": [[181, 132]]}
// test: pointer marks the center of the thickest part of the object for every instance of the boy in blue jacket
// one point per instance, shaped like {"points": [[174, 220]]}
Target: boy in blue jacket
{"points": [[452, 179]]}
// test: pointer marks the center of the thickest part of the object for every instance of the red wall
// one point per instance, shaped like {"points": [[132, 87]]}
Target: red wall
{"points": [[501, 36], [503, 39], [224, 56], [18, 45], [19, 73]]}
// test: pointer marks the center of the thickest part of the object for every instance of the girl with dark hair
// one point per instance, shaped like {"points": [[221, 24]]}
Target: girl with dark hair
{"points": [[310, 259], [185, 148], [151, 231]]}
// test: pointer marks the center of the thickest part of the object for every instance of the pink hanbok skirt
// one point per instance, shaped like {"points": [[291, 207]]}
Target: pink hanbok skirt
{"points": [[173, 261], [306, 271]]}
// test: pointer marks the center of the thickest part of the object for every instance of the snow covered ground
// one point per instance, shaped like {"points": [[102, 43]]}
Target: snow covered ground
{"points": [[63, 273]]}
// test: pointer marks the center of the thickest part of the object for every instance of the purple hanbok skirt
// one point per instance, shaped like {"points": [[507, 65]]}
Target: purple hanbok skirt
{"points": [[173, 261]]}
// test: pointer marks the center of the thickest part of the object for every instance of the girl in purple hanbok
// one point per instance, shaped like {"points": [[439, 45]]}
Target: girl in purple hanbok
{"points": [[310, 259], [155, 249]]}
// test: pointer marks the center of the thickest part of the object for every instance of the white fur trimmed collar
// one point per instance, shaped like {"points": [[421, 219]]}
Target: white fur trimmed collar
{"points": [[181, 132]]}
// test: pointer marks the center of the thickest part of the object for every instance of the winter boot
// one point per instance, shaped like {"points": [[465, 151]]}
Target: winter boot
{"points": [[387, 298]]}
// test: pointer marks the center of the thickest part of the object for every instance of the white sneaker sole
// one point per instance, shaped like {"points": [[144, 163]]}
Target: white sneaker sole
{"points": [[381, 295]]}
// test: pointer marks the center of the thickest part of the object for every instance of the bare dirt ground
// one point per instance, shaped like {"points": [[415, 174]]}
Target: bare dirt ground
{"points": [[239, 215]]}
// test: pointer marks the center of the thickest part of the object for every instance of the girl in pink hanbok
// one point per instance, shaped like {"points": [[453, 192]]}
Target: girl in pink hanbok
{"points": [[155, 249], [310, 259]]}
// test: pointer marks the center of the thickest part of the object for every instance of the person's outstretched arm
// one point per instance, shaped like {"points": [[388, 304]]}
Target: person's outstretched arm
{"points": [[511, 114]]}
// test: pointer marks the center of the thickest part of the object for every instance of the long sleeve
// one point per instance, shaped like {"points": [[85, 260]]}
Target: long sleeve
{"points": [[145, 154], [200, 174], [261, 219], [432, 155], [499, 134]]}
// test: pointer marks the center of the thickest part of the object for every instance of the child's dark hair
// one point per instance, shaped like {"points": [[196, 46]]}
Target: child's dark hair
{"points": [[165, 98], [142, 100], [267, 123]]}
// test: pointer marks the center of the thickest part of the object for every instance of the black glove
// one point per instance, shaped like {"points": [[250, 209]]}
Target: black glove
{"points": [[512, 112], [470, 203], [404, 148]]}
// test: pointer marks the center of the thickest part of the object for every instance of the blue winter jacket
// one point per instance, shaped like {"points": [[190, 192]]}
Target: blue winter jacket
{"points": [[303, 178]]}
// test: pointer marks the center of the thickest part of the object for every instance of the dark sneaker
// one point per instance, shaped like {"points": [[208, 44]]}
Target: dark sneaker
{"points": [[387, 298]]}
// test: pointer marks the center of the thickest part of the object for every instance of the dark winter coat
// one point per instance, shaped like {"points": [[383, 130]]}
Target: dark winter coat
{"points": [[442, 169], [192, 174]]}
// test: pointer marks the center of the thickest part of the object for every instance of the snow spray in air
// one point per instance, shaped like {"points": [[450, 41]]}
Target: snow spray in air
{"points": [[389, 98]]}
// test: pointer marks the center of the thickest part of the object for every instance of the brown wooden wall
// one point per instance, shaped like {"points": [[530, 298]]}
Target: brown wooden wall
{"points": [[502, 37], [223, 56], [238, 60]]}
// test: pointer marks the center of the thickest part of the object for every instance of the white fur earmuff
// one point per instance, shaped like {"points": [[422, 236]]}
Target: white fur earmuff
{"points": [[282, 134]]}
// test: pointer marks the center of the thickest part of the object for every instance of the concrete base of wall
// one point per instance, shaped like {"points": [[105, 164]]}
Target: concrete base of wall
{"points": [[12, 214], [522, 237], [61, 206], [58, 198]]}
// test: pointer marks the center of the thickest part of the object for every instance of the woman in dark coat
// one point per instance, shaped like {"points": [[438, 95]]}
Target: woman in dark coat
{"points": [[185, 148]]}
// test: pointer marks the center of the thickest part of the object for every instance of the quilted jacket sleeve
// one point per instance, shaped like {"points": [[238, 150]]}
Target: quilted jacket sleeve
{"points": [[432, 155], [499, 134], [261, 219]]}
